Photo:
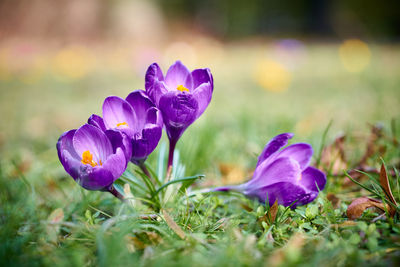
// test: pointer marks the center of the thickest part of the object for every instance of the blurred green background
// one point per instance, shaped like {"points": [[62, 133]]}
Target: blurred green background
{"points": [[277, 67]]}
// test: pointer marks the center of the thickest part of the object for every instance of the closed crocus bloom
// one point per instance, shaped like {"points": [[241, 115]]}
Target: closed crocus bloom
{"points": [[283, 175], [91, 158], [136, 117], [182, 96]]}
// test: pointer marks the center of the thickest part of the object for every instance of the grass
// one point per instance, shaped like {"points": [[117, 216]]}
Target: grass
{"points": [[47, 219]]}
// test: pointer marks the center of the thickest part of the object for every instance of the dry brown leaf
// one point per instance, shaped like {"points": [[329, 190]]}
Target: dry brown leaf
{"points": [[273, 210], [344, 224], [52, 229], [359, 205], [173, 225], [231, 173], [334, 200], [376, 134], [383, 179], [333, 157]]}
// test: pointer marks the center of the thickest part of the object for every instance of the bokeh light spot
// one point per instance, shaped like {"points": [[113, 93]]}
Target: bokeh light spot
{"points": [[73, 62], [355, 55], [272, 75]]}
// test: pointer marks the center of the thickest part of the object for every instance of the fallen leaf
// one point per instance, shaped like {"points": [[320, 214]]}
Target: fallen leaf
{"points": [[345, 224], [52, 229], [173, 225], [376, 134], [334, 200], [359, 205], [231, 173], [383, 179], [333, 157], [271, 214]]}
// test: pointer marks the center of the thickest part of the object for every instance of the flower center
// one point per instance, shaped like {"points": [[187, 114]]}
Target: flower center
{"points": [[182, 88], [299, 177], [122, 123], [87, 158]]}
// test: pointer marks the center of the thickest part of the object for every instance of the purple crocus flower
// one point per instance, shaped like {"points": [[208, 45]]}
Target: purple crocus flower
{"points": [[95, 159], [136, 117], [283, 175], [182, 96]]}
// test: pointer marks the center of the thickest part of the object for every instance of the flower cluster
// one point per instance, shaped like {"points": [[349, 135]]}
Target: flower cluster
{"points": [[97, 153]]}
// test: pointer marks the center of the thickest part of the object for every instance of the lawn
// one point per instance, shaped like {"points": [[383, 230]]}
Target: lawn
{"points": [[261, 89]]}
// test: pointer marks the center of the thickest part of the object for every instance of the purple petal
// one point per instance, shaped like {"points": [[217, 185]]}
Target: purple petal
{"points": [[177, 75], [273, 146], [285, 192], [203, 95], [301, 152], [140, 103], [157, 91], [143, 146], [201, 76], [313, 179], [119, 114], [116, 164], [65, 143], [154, 116], [70, 163], [120, 140], [91, 138], [97, 178], [280, 170], [153, 74], [179, 110], [97, 121]]}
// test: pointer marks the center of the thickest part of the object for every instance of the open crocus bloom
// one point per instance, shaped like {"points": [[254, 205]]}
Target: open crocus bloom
{"points": [[182, 96], [93, 159], [136, 117], [283, 175]]}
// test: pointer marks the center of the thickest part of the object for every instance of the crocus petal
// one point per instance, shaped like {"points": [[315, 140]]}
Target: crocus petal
{"points": [[157, 91], [140, 103], [280, 170], [120, 140], [116, 163], [201, 76], [91, 138], [273, 146], [97, 121], [70, 163], [154, 116], [203, 95], [301, 152], [97, 178], [143, 146], [116, 111], [285, 192], [313, 179], [177, 75], [153, 74], [179, 110], [65, 143]]}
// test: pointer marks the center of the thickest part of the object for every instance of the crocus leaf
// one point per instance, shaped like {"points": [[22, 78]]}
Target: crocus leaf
{"points": [[359, 205], [384, 182], [173, 225]]}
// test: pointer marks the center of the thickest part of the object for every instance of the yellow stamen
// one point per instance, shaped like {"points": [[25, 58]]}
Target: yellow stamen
{"points": [[182, 88], [122, 123], [87, 158], [299, 177]]}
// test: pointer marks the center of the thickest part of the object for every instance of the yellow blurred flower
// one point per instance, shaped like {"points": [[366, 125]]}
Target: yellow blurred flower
{"points": [[272, 75], [73, 62], [355, 55]]}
